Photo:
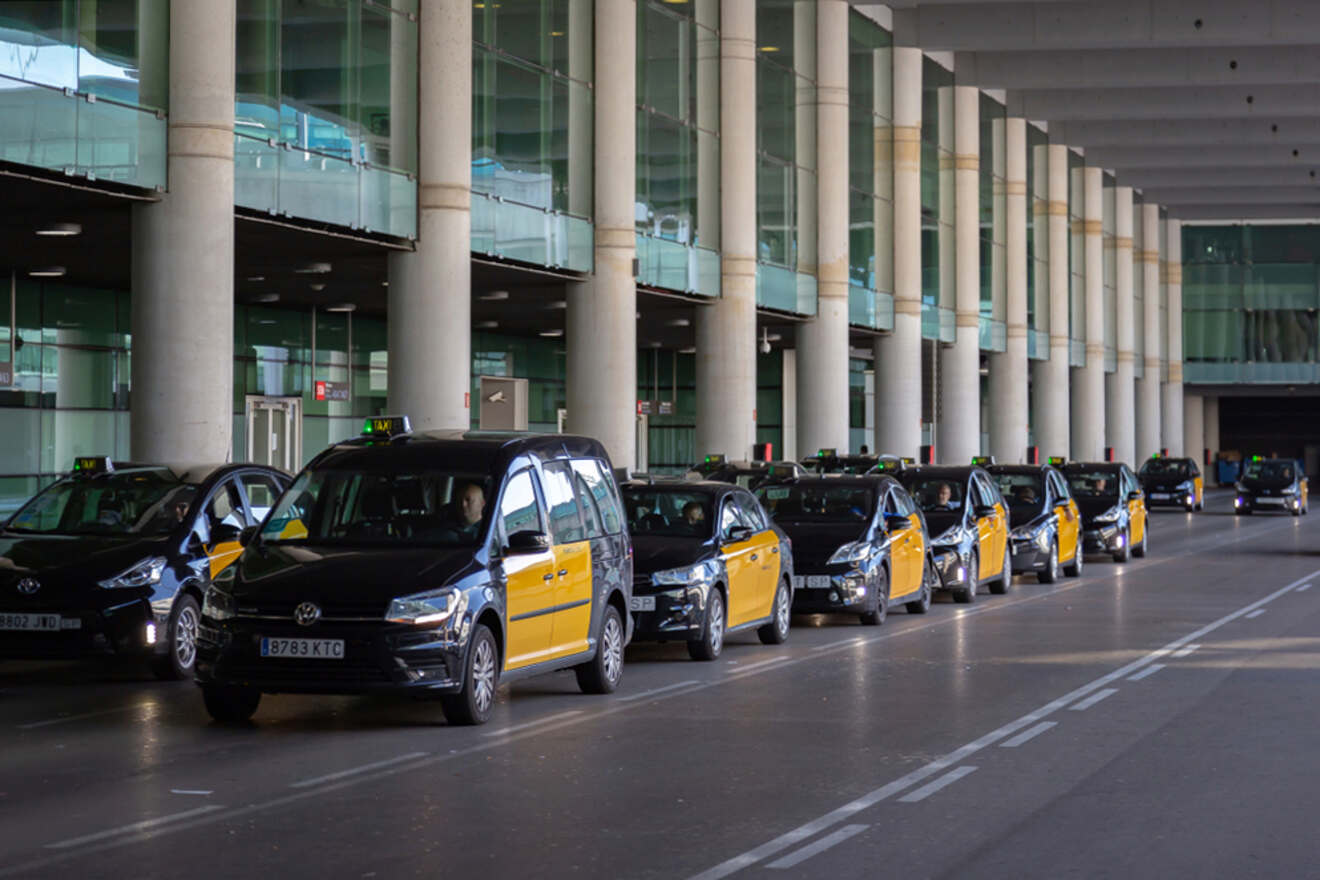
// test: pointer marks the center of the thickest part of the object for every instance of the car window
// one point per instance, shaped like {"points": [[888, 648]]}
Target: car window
{"points": [[223, 508], [669, 512], [728, 517], [601, 486], [261, 491], [591, 518], [565, 521], [749, 512], [519, 510], [937, 493]]}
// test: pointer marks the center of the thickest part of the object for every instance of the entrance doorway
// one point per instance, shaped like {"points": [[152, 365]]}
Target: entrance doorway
{"points": [[274, 431]]}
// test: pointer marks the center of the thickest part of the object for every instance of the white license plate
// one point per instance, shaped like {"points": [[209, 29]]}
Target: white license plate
{"points": [[309, 649], [1269, 500], [641, 603], [1160, 496], [811, 581], [31, 622]]}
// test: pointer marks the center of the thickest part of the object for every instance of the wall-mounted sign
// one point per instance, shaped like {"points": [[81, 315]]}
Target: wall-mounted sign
{"points": [[655, 407], [334, 391]]}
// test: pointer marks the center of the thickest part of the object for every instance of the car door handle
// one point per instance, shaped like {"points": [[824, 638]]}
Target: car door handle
{"points": [[753, 557], [563, 572], [547, 577], [774, 549]]}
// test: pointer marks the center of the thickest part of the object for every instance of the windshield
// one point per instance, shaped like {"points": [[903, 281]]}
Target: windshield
{"points": [[1276, 471], [934, 495], [1093, 484], [432, 507], [1165, 467], [1024, 493], [133, 502], [668, 513], [808, 503]]}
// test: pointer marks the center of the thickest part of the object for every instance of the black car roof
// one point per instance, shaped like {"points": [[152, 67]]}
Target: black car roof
{"points": [[959, 471], [704, 487], [1020, 468], [874, 480], [472, 450], [189, 473]]}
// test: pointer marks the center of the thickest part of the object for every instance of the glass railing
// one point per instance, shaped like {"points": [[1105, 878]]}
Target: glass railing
{"points": [[520, 232], [780, 288], [938, 323], [81, 135], [1076, 353], [993, 335], [299, 183], [676, 266], [1038, 345]]}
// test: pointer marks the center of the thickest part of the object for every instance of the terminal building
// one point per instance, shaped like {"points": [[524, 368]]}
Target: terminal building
{"points": [[234, 228]]}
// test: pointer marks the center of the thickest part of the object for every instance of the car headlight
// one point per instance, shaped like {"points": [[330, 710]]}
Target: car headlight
{"points": [[1238, 486], [428, 609], [1186, 486], [1109, 516], [951, 535], [852, 553], [144, 574], [217, 604], [688, 574]]}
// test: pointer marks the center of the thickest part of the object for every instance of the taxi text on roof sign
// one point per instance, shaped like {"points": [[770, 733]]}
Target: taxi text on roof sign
{"points": [[386, 426], [715, 459], [1057, 461], [92, 464], [983, 460], [827, 452]]}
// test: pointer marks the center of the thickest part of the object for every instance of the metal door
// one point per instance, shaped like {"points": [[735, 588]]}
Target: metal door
{"points": [[274, 431]]}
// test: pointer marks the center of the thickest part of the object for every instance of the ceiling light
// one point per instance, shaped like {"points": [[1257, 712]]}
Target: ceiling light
{"points": [[47, 272], [655, 345], [487, 325], [317, 286], [551, 333], [384, 284], [256, 278], [556, 33], [557, 304], [493, 295], [769, 48], [678, 322], [61, 229], [774, 337], [267, 298], [313, 269], [691, 349], [341, 307]]}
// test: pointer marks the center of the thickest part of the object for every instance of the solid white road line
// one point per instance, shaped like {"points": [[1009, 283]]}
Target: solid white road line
{"points": [[132, 829], [834, 646], [814, 849], [63, 718], [353, 771], [1257, 613], [189, 791], [1094, 698], [751, 666], [1028, 734], [1183, 652], [661, 690], [1303, 588], [1147, 672], [558, 716], [930, 788]]}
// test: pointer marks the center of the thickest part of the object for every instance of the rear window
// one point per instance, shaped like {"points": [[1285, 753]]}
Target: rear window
{"points": [[670, 513], [1098, 483]]}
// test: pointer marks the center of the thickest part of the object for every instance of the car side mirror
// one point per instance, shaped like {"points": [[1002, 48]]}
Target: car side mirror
{"points": [[896, 522], [1134, 495], [225, 533], [737, 534], [984, 510], [527, 542], [245, 537]]}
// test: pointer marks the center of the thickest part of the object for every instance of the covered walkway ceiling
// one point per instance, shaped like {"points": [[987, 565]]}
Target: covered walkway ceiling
{"points": [[1211, 107]]}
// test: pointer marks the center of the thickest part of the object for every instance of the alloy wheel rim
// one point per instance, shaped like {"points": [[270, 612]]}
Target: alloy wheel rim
{"points": [[483, 675], [781, 610], [185, 638], [716, 622], [613, 649], [1054, 561]]}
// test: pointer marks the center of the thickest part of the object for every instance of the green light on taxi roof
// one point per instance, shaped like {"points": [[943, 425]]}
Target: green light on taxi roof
{"points": [[715, 459], [386, 426], [827, 453], [1057, 460], [1258, 458]]}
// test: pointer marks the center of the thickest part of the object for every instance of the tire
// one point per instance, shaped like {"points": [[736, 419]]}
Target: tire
{"points": [[1074, 568], [877, 616], [1140, 550], [1051, 572], [776, 631], [1297, 511], [601, 674], [1126, 553], [921, 604], [967, 595], [481, 676], [230, 705], [1004, 582], [1242, 511], [710, 644], [180, 641]]}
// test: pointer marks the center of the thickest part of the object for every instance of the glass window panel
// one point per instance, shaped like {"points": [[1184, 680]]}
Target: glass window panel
{"points": [[37, 42], [387, 119], [318, 64], [108, 33]]}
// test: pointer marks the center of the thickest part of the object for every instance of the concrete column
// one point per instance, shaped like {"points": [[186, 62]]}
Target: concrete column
{"points": [[1193, 437], [898, 355], [602, 311], [726, 329], [960, 374], [1008, 370], [1052, 391], [1148, 386], [430, 296], [1040, 269], [1120, 399], [1173, 386], [183, 255], [1211, 407], [1089, 404], [822, 343]]}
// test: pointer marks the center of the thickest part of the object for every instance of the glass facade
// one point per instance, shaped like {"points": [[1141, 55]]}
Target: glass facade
{"points": [[871, 177], [786, 155], [1038, 244], [678, 147], [937, 201], [1251, 295], [84, 88], [532, 132], [993, 225], [325, 121]]}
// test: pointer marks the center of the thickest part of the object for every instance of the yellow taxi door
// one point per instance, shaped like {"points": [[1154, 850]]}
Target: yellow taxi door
{"points": [[907, 559], [744, 571], [528, 577], [765, 557], [572, 547], [992, 533], [1136, 513], [1198, 484]]}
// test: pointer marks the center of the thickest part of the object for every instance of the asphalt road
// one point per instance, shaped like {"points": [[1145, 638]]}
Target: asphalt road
{"points": [[1147, 720]]}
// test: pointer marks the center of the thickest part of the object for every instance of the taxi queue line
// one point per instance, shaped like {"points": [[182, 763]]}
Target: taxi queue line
{"points": [[445, 564]]}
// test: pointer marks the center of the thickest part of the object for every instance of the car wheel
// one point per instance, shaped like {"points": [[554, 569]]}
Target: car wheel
{"points": [[710, 644], [180, 641], [1051, 572], [473, 704], [601, 674], [876, 616], [922, 604], [1002, 584], [1297, 511], [1074, 568], [1124, 554], [967, 594], [1139, 551], [776, 631], [230, 705]]}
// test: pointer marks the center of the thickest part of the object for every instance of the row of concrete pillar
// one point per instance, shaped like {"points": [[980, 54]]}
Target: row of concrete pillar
{"points": [[183, 266]]}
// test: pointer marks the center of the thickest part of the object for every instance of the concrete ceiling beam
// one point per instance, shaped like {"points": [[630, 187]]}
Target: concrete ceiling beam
{"points": [[1267, 103], [1115, 68], [1286, 132], [1202, 157]]}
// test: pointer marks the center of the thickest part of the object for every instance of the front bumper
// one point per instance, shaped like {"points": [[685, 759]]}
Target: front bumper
{"points": [[1106, 538], [1170, 499], [952, 569], [678, 613], [846, 591], [1282, 503], [1028, 556], [127, 629], [378, 657]]}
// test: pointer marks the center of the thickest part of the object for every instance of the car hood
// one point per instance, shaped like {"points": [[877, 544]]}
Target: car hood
{"points": [[72, 560], [815, 542], [1257, 484], [1093, 507], [1163, 483], [655, 553]]}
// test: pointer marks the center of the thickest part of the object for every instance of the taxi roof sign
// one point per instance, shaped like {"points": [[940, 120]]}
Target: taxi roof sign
{"points": [[907, 459], [715, 458], [1057, 461], [983, 460], [386, 426], [827, 452], [889, 464], [92, 464]]}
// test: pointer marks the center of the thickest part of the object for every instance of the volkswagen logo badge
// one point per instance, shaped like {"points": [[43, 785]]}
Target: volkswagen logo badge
{"points": [[307, 614], [28, 586]]}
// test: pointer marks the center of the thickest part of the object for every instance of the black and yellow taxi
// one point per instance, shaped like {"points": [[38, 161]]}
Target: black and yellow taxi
{"points": [[707, 562], [1175, 482], [968, 523], [1044, 519], [747, 474], [429, 563], [114, 558], [1272, 484], [1113, 506], [831, 461], [859, 545]]}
